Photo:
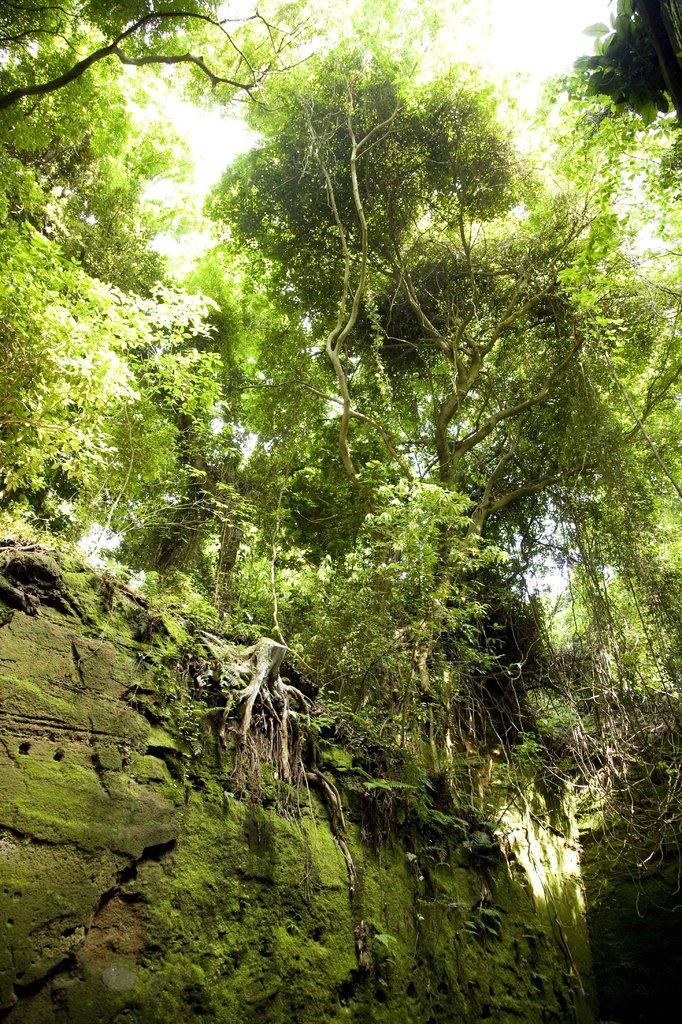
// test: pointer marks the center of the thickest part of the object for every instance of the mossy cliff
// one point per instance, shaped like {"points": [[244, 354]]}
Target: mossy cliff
{"points": [[634, 922], [138, 884]]}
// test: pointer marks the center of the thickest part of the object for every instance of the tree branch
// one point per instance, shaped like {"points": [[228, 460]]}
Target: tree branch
{"points": [[188, 58], [383, 433], [113, 49], [332, 345], [347, 319], [487, 507], [456, 452]]}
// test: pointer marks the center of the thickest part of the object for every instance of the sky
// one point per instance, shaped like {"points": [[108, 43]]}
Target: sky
{"points": [[543, 37]]}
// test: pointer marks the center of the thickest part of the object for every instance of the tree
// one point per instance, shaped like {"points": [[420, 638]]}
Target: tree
{"points": [[427, 369], [122, 354], [429, 267], [634, 63], [73, 357]]}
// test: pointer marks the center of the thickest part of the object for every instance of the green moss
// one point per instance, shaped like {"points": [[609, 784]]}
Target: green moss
{"points": [[263, 904], [634, 918], [153, 895]]}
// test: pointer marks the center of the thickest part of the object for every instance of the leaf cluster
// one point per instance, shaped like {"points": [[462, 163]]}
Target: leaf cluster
{"points": [[625, 66]]}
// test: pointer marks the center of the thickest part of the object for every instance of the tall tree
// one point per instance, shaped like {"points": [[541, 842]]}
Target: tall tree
{"points": [[433, 267]]}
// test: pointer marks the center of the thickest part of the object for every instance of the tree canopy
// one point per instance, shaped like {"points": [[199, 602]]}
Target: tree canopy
{"points": [[418, 368]]}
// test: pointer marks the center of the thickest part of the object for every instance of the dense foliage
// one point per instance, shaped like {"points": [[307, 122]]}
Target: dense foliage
{"points": [[416, 371], [625, 66]]}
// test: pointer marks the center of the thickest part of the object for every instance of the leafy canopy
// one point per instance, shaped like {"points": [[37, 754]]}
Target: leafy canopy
{"points": [[414, 370]]}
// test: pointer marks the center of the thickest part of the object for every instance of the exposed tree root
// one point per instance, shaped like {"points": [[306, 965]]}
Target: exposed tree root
{"points": [[268, 706], [332, 799], [262, 719], [338, 823]]}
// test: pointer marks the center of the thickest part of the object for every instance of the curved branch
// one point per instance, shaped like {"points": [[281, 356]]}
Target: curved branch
{"points": [[383, 433], [407, 287], [112, 49], [198, 62], [455, 453], [487, 507], [334, 341], [57, 83], [347, 318]]}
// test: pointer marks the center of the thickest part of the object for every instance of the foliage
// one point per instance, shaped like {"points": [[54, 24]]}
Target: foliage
{"points": [[62, 372], [75, 352], [625, 67], [411, 204], [243, 50], [415, 369]]}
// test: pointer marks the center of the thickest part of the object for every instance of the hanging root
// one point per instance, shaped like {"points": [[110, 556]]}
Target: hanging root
{"points": [[338, 823], [262, 719], [337, 820], [268, 732]]}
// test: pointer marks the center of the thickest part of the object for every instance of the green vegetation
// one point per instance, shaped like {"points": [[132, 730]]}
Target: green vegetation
{"points": [[141, 882], [422, 364], [625, 67]]}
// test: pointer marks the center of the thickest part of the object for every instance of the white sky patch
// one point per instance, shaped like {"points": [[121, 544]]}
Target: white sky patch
{"points": [[536, 38], [543, 37], [525, 42], [248, 445], [552, 580], [236, 9], [162, 191], [214, 137], [96, 542], [184, 249]]}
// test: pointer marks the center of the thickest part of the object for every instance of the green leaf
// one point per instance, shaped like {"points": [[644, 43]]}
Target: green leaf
{"points": [[597, 30]]}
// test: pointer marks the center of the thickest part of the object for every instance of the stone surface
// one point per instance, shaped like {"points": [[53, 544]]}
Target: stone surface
{"points": [[135, 887], [635, 923]]}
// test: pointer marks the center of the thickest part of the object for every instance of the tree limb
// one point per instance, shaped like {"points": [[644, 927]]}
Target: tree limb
{"points": [[347, 319], [113, 49], [332, 345], [456, 452], [487, 507], [383, 433]]}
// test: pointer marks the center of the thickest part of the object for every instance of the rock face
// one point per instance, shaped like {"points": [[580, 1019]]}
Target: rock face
{"points": [[136, 887], [634, 921]]}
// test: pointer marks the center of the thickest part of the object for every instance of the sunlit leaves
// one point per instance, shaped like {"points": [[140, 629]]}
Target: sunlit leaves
{"points": [[70, 349]]}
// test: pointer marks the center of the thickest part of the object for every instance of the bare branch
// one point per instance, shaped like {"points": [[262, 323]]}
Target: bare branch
{"points": [[347, 318], [523, 492], [513, 312], [407, 287], [332, 345], [188, 58]]}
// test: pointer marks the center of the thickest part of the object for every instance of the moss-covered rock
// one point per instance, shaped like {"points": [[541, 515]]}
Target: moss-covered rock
{"points": [[137, 887], [635, 922]]}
